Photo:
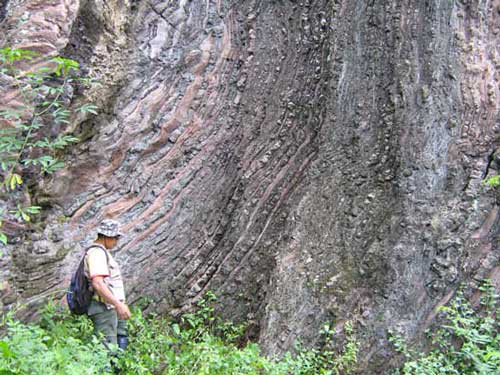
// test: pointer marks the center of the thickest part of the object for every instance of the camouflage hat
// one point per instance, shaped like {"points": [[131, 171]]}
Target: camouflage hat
{"points": [[109, 228]]}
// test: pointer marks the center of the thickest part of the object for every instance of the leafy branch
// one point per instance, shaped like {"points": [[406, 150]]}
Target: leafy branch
{"points": [[23, 147]]}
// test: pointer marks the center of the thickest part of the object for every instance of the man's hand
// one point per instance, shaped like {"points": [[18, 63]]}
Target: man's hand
{"points": [[122, 311], [103, 291]]}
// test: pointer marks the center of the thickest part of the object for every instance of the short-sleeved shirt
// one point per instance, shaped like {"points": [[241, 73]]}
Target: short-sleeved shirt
{"points": [[97, 263]]}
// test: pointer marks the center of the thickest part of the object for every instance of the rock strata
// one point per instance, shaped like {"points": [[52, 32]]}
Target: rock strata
{"points": [[308, 161]]}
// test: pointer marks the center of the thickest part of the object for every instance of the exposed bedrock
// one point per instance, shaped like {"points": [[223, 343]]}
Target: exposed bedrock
{"points": [[308, 161]]}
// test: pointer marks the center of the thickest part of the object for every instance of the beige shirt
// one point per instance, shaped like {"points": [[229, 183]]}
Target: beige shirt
{"points": [[97, 264]]}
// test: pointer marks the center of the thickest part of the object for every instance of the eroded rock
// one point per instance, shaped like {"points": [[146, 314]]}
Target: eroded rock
{"points": [[308, 162]]}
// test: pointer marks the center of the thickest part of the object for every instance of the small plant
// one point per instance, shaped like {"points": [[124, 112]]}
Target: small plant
{"points": [[468, 342], [203, 319], [492, 182], [39, 107], [327, 360]]}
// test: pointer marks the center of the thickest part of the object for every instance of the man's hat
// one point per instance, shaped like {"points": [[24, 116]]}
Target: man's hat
{"points": [[109, 228]]}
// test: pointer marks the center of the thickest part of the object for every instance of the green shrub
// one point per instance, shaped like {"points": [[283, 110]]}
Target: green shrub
{"points": [[202, 344], [55, 349], [198, 344], [467, 343], [160, 347]]}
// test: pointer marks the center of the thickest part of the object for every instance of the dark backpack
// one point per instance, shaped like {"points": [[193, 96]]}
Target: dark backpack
{"points": [[79, 294]]}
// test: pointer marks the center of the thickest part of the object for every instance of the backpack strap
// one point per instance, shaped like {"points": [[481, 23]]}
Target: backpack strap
{"points": [[107, 262], [99, 246]]}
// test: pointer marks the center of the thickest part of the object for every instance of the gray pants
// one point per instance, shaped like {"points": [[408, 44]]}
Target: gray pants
{"points": [[106, 322]]}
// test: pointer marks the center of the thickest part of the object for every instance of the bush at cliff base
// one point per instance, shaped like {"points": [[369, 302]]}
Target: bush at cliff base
{"points": [[53, 347], [197, 344], [467, 341]]}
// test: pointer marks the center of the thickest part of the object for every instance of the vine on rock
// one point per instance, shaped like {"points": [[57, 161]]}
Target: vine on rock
{"points": [[33, 122]]}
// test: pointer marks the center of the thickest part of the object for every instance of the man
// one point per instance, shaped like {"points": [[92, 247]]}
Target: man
{"points": [[107, 310]]}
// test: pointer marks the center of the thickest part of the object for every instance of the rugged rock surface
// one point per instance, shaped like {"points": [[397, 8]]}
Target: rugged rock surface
{"points": [[309, 161]]}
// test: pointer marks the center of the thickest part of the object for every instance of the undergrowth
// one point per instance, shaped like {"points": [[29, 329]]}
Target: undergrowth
{"points": [[197, 344], [59, 344], [467, 343]]}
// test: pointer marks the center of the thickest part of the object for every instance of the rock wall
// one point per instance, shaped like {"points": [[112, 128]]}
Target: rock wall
{"points": [[393, 215], [308, 161]]}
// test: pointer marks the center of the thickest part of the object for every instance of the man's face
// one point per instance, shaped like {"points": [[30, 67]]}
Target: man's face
{"points": [[112, 242]]}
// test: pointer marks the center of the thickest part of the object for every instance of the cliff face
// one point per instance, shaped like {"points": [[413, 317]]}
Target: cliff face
{"points": [[307, 161]]}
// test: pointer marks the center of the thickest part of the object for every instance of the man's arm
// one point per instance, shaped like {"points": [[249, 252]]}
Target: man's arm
{"points": [[102, 290]]}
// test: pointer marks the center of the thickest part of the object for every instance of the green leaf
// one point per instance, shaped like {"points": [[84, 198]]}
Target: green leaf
{"points": [[25, 216], [33, 209], [88, 108], [13, 181], [3, 238], [64, 66], [491, 355], [10, 114], [42, 143], [62, 141], [176, 329], [11, 55], [5, 349], [54, 91], [50, 165]]}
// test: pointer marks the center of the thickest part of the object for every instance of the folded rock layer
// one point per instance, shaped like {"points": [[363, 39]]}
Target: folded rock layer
{"points": [[308, 161]]}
